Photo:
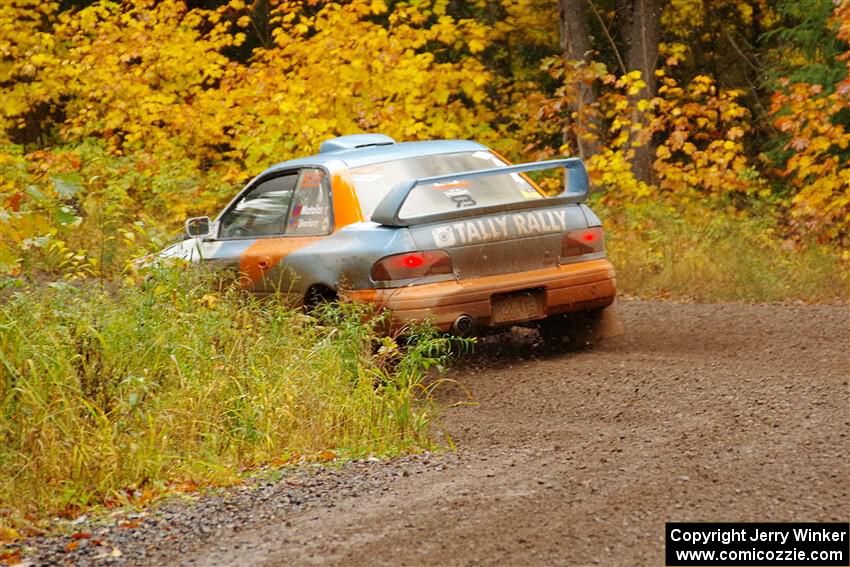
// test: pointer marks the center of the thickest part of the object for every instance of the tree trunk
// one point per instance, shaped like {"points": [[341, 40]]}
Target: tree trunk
{"points": [[623, 15], [640, 31], [645, 33], [575, 46], [260, 22]]}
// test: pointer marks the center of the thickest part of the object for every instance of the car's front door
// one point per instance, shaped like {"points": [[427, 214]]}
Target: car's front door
{"points": [[277, 214]]}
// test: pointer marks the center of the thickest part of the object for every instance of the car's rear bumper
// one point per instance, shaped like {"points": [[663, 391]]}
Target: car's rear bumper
{"points": [[569, 287]]}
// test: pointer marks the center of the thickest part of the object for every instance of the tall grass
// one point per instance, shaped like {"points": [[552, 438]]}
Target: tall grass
{"points": [[106, 391], [702, 253]]}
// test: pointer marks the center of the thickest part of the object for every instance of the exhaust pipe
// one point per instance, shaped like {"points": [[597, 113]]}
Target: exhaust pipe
{"points": [[464, 326]]}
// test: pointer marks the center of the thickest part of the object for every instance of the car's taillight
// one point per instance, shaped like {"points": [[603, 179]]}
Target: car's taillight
{"points": [[412, 265], [584, 241]]}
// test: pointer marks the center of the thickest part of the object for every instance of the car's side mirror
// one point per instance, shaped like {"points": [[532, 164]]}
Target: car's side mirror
{"points": [[197, 226]]}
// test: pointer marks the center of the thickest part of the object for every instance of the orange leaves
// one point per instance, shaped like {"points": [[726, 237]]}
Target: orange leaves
{"points": [[76, 538], [841, 19], [186, 486], [735, 133], [701, 147], [11, 557], [129, 525], [816, 166], [814, 119], [325, 456]]}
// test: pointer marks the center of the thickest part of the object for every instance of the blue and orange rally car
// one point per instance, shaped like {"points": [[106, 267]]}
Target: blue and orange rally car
{"points": [[438, 230]]}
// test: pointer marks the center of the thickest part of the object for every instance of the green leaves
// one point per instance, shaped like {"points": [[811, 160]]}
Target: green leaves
{"points": [[66, 185]]}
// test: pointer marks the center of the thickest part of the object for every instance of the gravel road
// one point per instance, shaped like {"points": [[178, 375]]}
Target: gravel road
{"points": [[698, 413]]}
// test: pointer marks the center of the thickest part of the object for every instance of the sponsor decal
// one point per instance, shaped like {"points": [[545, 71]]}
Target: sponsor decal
{"points": [[499, 228], [311, 179], [450, 186], [444, 236], [456, 192], [312, 211], [305, 223], [461, 198], [302, 211]]}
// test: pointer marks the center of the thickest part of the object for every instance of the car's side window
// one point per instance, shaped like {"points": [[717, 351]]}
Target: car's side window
{"points": [[262, 211], [310, 214]]}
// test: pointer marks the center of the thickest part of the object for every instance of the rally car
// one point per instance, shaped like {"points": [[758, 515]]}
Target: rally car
{"points": [[445, 231]]}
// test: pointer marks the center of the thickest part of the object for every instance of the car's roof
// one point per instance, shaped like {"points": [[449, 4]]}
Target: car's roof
{"points": [[377, 154]]}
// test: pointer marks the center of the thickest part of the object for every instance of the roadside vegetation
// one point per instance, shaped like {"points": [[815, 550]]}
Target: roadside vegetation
{"points": [[114, 394], [698, 253]]}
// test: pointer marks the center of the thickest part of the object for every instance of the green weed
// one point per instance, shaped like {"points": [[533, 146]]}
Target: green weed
{"points": [[701, 253], [110, 394]]}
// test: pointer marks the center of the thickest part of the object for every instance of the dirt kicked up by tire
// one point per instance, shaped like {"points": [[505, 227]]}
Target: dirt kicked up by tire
{"points": [[564, 457], [582, 329]]}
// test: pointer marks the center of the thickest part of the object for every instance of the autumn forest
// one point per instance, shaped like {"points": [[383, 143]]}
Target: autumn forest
{"points": [[120, 119]]}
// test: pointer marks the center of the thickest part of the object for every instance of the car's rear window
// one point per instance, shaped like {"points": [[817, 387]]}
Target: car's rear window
{"points": [[372, 183]]}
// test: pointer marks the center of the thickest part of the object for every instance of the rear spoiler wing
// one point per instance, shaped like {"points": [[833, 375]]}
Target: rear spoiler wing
{"points": [[575, 177]]}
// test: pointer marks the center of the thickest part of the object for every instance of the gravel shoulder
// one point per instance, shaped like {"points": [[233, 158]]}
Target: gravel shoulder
{"points": [[698, 413]]}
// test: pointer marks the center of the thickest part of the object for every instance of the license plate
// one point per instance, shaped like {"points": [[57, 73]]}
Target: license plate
{"points": [[519, 306]]}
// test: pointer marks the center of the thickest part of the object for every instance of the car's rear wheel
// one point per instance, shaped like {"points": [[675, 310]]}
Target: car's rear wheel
{"points": [[319, 295], [575, 330]]}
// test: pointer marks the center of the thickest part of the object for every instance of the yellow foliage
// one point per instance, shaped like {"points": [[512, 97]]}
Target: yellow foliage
{"points": [[682, 18], [141, 112], [696, 129], [529, 22], [160, 124], [817, 139], [337, 72], [701, 147], [25, 47]]}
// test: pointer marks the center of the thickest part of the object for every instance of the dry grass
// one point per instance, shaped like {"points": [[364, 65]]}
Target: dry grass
{"points": [[706, 255], [106, 395]]}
